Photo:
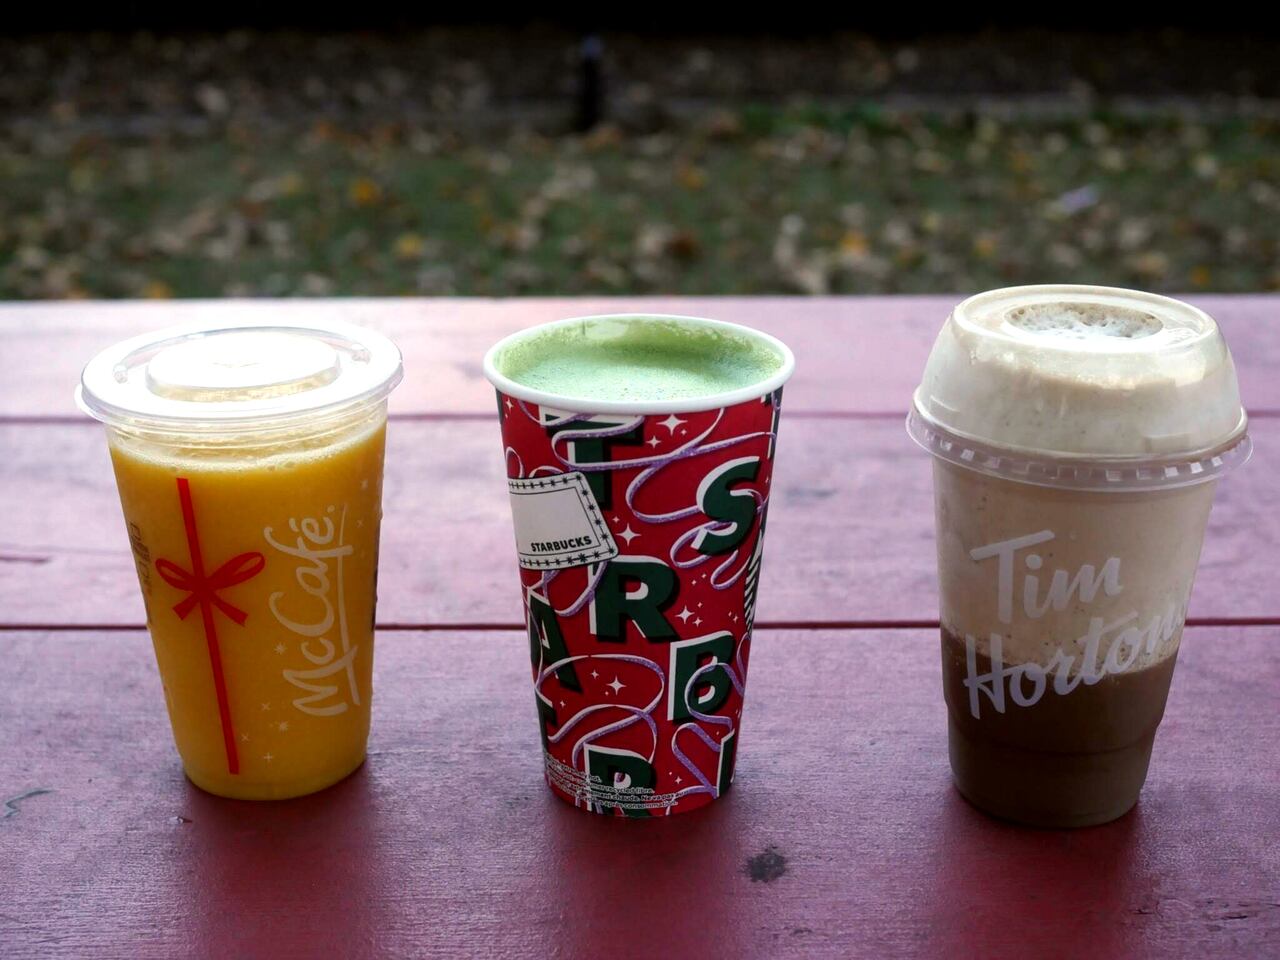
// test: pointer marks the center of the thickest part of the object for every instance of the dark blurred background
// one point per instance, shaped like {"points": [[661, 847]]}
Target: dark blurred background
{"points": [[271, 150]]}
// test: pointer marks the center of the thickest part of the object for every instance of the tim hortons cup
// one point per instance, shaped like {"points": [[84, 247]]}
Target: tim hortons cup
{"points": [[639, 529], [1078, 434]]}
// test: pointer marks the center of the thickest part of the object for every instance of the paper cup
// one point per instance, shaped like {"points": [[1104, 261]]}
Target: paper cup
{"points": [[639, 532]]}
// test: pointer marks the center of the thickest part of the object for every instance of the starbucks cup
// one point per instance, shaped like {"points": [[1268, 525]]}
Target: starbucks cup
{"points": [[249, 464], [1078, 434], [639, 475]]}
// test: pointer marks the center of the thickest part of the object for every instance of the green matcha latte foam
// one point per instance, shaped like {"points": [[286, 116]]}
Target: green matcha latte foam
{"points": [[638, 362]]}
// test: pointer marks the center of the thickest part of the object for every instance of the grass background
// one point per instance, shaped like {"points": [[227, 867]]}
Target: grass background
{"points": [[732, 196]]}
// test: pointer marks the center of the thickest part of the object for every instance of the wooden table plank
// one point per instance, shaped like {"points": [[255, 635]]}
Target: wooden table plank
{"points": [[859, 354], [850, 533], [447, 843]]}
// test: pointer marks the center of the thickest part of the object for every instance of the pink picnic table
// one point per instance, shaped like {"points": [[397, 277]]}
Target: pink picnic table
{"points": [[843, 836]]}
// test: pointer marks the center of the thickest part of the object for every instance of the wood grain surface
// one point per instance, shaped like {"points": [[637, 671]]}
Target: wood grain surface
{"points": [[841, 837], [853, 354], [850, 531]]}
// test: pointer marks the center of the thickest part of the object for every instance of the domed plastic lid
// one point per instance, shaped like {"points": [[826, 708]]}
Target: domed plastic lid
{"points": [[238, 376], [1082, 387]]}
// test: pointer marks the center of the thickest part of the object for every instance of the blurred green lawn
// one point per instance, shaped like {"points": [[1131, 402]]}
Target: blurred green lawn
{"points": [[763, 200]]}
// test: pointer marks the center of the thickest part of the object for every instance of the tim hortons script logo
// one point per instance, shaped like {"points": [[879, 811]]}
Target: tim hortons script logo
{"points": [[316, 546], [1027, 682]]}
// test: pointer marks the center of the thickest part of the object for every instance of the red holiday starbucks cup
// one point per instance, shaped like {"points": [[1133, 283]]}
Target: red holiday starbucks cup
{"points": [[639, 530]]}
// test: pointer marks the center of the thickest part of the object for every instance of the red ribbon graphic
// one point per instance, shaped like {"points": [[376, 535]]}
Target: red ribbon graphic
{"points": [[203, 592]]}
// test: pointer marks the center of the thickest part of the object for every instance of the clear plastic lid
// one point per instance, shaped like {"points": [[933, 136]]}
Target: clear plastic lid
{"points": [[1082, 387], [239, 377]]}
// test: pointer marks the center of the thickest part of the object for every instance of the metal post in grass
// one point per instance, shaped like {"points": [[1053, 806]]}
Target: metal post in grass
{"points": [[590, 81]]}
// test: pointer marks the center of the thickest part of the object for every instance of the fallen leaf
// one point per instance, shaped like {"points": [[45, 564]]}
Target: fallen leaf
{"points": [[409, 246], [603, 137], [855, 243], [691, 177], [683, 245], [364, 191]]}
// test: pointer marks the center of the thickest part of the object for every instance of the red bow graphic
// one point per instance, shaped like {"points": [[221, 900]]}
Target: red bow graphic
{"points": [[238, 569], [203, 591]]}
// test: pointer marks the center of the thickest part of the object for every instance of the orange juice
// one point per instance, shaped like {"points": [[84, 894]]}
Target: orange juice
{"points": [[255, 535], [296, 669]]}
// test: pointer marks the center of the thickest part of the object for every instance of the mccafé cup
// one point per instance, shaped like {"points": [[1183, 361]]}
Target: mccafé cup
{"points": [[249, 464], [639, 452]]}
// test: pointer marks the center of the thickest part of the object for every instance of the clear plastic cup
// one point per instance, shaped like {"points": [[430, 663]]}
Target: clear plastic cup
{"points": [[249, 460], [1077, 435]]}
